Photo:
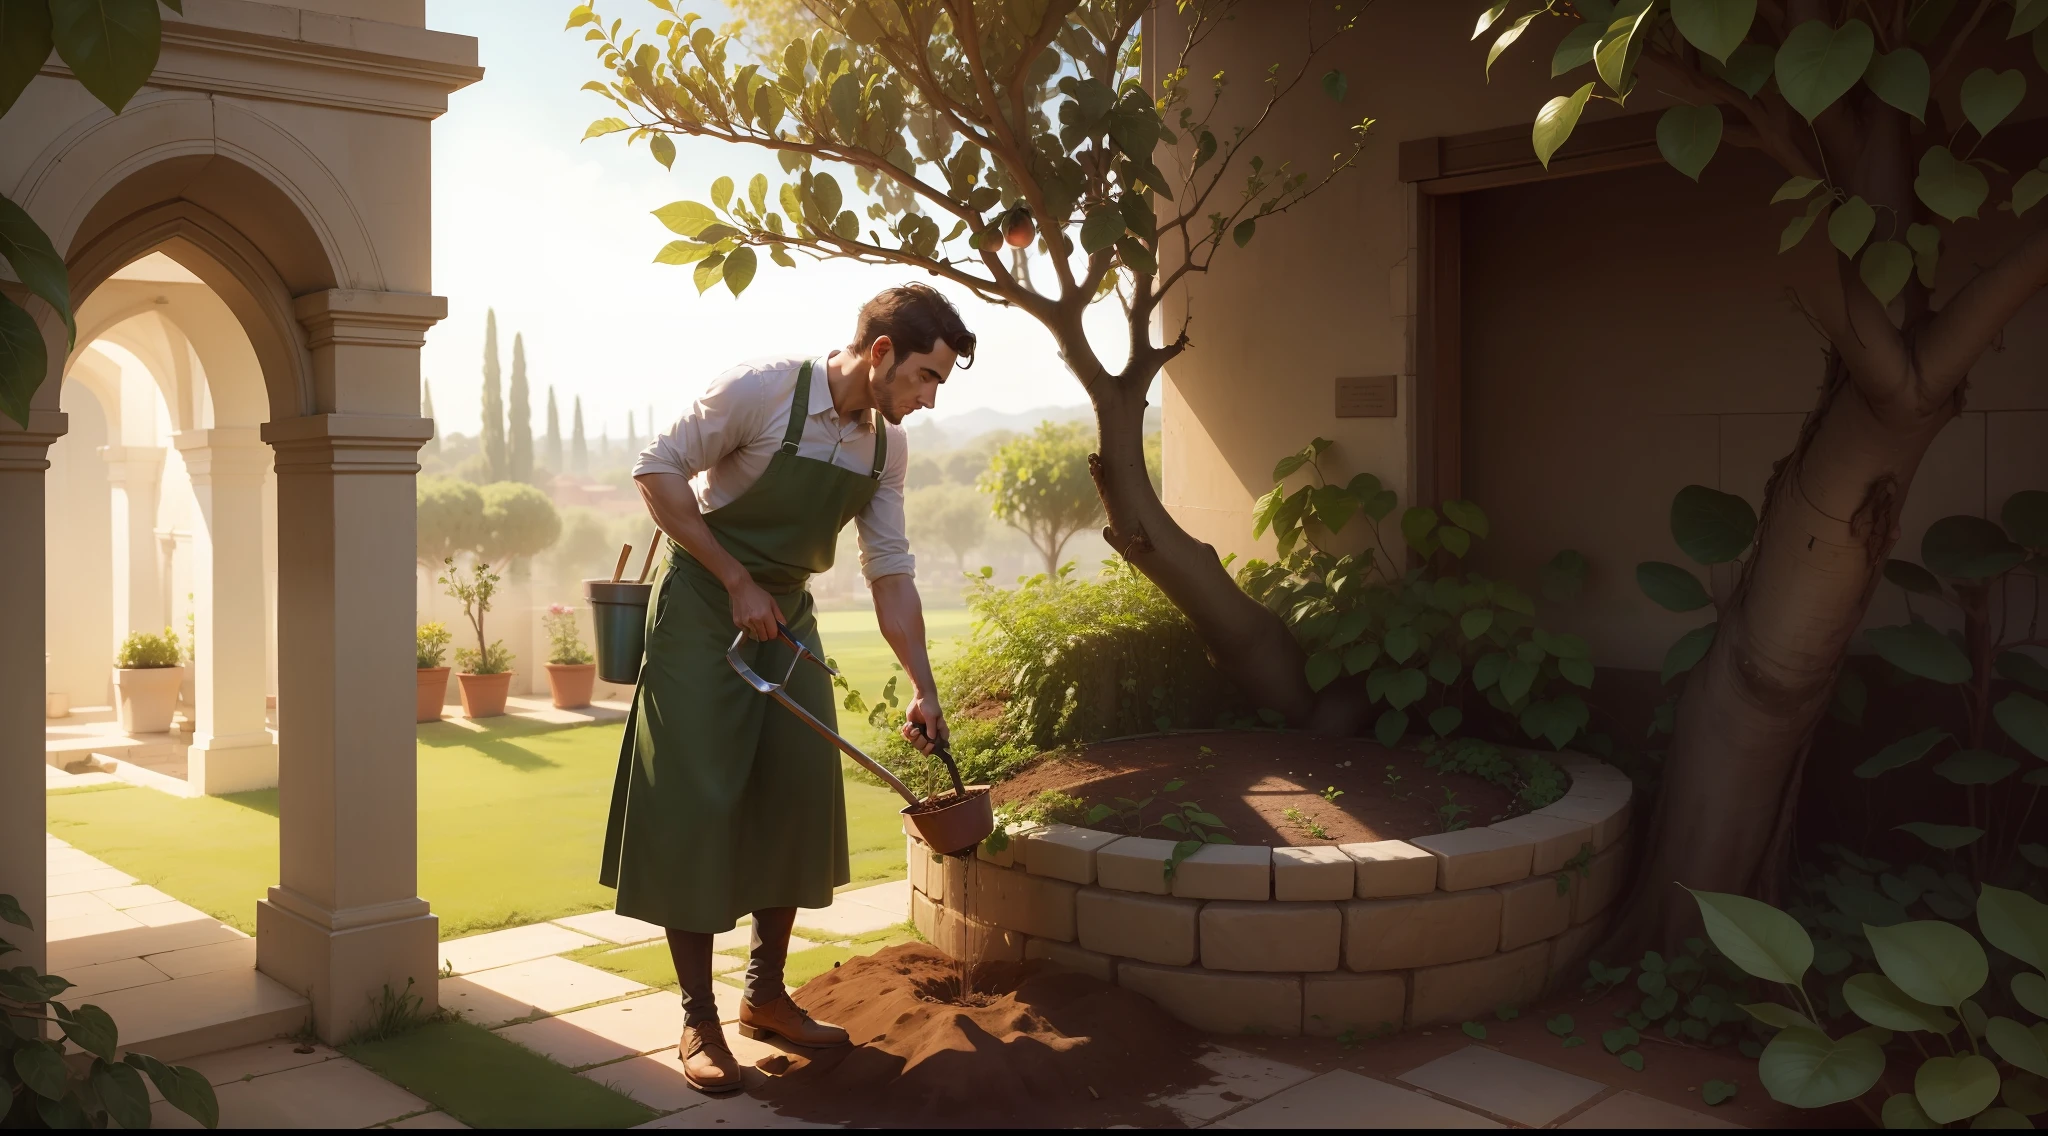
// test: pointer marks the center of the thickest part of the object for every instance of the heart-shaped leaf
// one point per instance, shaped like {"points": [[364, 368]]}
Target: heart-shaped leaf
{"points": [[1952, 188], [1806, 1069], [1902, 79], [1556, 121], [1716, 27], [1322, 669], [1688, 136], [1850, 225], [2031, 992], [1879, 1001], [1901, 1110], [1818, 64], [1686, 653], [1990, 96], [1671, 587], [2029, 189], [1964, 547], [1885, 268], [1925, 241], [1797, 227], [1762, 940], [1932, 961], [1955, 1088]]}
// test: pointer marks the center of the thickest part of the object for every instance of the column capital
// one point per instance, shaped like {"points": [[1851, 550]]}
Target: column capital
{"points": [[348, 443], [223, 455], [358, 318], [28, 449]]}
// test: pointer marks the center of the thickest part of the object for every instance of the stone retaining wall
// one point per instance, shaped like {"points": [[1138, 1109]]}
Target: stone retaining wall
{"points": [[1287, 941]]}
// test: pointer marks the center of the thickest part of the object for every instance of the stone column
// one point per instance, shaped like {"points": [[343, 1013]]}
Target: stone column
{"points": [[136, 474], [24, 456], [345, 922], [232, 747]]}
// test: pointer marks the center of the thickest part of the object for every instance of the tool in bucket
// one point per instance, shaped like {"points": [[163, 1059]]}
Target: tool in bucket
{"points": [[948, 822]]}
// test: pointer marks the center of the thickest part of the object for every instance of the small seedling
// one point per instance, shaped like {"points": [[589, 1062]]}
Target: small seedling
{"points": [[1577, 864], [1393, 781], [1474, 1030], [1330, 793], [1307, 824], [1561, 1025], [1617, 1040], [1506, 1012], [1349, 1039], [1603, 978], [1449, 813], [1574, 1042], [1633, 1059], [1715, 1092]]}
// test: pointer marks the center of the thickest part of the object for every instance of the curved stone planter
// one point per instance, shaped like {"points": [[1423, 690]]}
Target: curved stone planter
{"points": [[1285, 941]]}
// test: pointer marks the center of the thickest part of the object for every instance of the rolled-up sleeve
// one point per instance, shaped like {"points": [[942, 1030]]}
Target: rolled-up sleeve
{"points": [[884, 542], [725, 418]]}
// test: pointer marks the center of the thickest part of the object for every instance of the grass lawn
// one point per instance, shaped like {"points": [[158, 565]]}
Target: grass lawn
{"points": [[855, 644], [485, 1081]]}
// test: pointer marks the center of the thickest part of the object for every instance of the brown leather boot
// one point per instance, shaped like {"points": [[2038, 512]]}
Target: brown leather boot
{"points": [[708, 1063], [785, 1019]]}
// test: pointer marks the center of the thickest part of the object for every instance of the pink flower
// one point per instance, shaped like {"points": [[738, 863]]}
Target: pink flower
{"points": [[558, 609]]}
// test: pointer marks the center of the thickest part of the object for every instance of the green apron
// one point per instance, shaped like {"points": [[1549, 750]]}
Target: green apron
{"points": [[725, 803]]}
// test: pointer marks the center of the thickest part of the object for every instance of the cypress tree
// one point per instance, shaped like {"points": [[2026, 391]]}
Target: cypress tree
{"points": [[579, 450], [554, 438], [427, 412], [495, 466], [632, 437], [520, 451]]}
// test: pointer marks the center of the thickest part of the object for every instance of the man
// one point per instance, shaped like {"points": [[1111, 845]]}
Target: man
{"points": [[726, 804]]}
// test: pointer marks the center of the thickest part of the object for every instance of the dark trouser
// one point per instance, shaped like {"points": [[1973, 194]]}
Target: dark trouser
{"points": [[692, 952]]}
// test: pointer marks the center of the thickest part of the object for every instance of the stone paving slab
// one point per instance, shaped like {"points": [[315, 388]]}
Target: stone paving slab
{"points": [[137, 941], [134, 895], [1242, 1075], [337, 1093], [77, 905], [1522, 1091], [77, 927], [1632, 1110], [428, 1120], [91, 879], [481, 1006], [625, 1028], [612, 927], [1343, 1099], [513, 945], [845, 920], [251, 1061], [166, 913], [105, 977], [229, 954], [553, 985]]}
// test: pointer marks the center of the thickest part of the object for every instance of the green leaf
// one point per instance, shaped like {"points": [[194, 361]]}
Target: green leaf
{"points": [[2015, 923], [1561, 1025], [1391, 727], [2017, 1045], [2025, 720], [24, 360], [1912, 577], [1762, 940], [1850, 224], [1952, 188], [1468, 516], [1616, 1040], [1516, 680], [183, 1087], [1401, 643], [1417, 525], [35, 260], [1334, 85], [1749, 67], [739, 269], [1955, 1088], [1947, 837], [1818, 64], [1716, 27], [1455, 540], [1902, 79], [686, 218], [1885, 268], [1925, 241], [2022, 669], [1778, 1016], [1615, 56], [1710, 526], [1323, 669], [1575, 50], [2031, 992], [1795, 189], [1445, 719], [1935, 962], [1633, 1059], [111, 45], [721, 193], [1964, 547], [1684, 654], [2025, 518], [1806, 1069], [1487, 18], [1990, 96], [2001, 1118], [1360, 656], [1796, 229], [709, 271], [2028, 191], [120, 1089], [1475, 622], [1688, 136], [1879, 1001], [1473, 1030], [683, 252], [1717, 1092], [1671, 587], [24, 46], [11, 912], [1556, 121], [2027, 15], [1920, 650], [664, 150], [91, 1029], [1104, 224], [1334, 506], [41, 1069], [1975, 767], [1902, 1111]]}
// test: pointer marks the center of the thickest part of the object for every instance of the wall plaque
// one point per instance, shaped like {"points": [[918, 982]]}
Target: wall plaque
{"points": [[1371, 396]]}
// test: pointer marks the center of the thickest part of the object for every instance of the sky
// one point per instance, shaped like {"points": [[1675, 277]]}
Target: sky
{"points": [[558, 236]]}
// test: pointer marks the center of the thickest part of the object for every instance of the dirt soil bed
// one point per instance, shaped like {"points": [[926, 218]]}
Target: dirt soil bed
{"points": [[1251, 779], [1034, 1048]]}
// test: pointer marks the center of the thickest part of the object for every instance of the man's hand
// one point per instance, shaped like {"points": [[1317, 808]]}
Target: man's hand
{"points": [[753, 609], [924, 724]]}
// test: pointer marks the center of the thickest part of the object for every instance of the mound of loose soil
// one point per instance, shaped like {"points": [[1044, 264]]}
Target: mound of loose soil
{"points": [[1250, 779], [1036, 1046]]}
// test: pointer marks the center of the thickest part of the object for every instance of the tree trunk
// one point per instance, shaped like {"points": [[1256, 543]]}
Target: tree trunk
{"points": [[1248, 644], [1829, 519]]}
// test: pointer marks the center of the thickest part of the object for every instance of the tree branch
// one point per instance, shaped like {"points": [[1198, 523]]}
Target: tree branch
{"points": [[1957, 336]]}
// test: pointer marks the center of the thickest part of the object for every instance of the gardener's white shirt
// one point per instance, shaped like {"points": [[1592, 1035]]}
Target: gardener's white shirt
{"points": [[723, 444]]}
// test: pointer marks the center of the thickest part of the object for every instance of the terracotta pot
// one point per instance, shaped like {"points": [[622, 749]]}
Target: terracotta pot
{"points": [[569, 684], [433, 693], [147, 697], [483, 696]]}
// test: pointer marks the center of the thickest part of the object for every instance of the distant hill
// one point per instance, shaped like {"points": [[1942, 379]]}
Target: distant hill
{"points": [[950, 432]]}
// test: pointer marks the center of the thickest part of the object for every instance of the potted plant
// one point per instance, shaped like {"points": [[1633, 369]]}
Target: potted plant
{"points": [[430, 644], [572, 669], [146, 681], [484, 674]]}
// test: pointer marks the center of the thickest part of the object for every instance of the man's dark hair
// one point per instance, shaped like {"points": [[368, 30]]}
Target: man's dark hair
{"points": [[913, 316]]}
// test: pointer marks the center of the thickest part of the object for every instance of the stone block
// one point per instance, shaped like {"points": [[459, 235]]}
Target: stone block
{"points": [[1605, 874], [1570, 951], [1465, 990], [1073, 958], [1396, 934], [1477, 857], [1389, 868], [1220, 1003], [1553, 840], [1150, 928], [1532, 910], [1362, 1004], [1135, 863], [1012, 854], [961, 938], [946, 878], [1036, 905], [917, 863], [1608, 816], [1243, 935], [1065, 852], [1226, 871], [1323, 872]]}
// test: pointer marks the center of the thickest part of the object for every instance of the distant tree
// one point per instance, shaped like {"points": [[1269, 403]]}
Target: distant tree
{"points": [[519, 523], [450, 516], [923, 471], [1042, 488], [553, 443], [427, 412], [952, 517], [519, 456], [494, 403], [632, 434], [579, 450]]}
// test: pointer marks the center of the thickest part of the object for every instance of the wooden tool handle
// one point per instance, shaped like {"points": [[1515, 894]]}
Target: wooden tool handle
{"points": [[619, 570], [653, 542]]}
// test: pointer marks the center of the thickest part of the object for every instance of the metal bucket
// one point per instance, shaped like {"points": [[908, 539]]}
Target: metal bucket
{"points": [[618, 616]]}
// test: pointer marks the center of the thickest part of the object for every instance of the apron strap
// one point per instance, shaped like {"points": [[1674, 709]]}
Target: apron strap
{"points": [[799, 409], [881, 443]]}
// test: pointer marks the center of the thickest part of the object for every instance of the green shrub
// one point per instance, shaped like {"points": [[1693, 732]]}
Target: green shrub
{"points": [[430, 644], [565, 643], [143, 651]]}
